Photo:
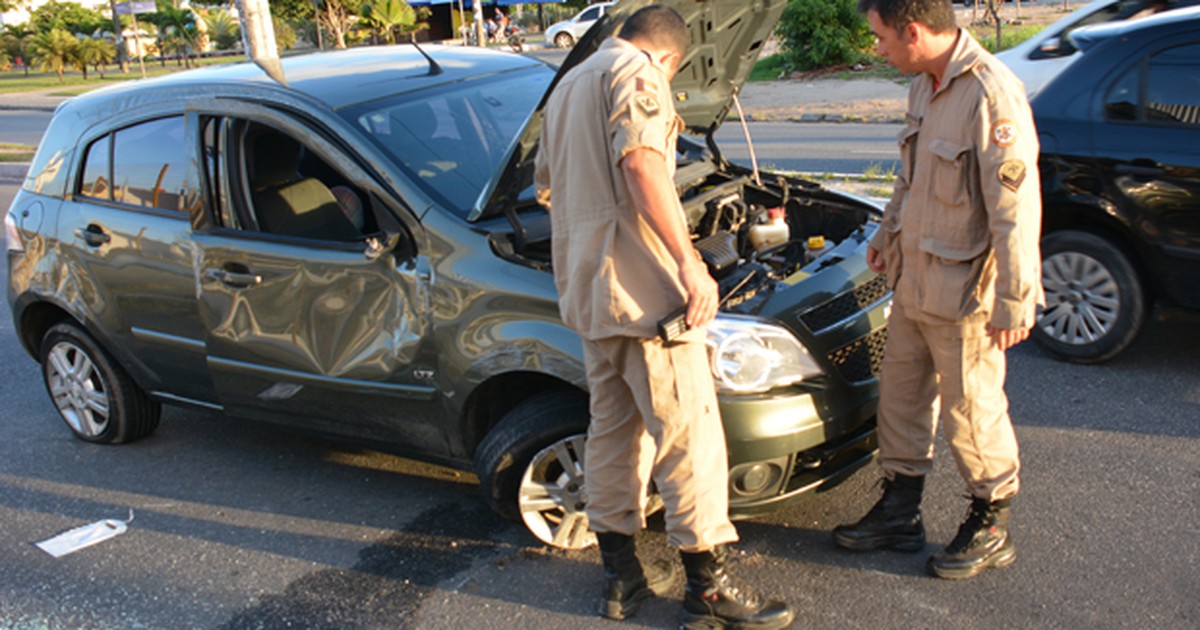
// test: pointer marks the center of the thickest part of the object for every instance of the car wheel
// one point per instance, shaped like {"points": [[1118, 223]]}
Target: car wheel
{"points": [[1095, 304], [564, 40], [93, 394], [530, 467]]}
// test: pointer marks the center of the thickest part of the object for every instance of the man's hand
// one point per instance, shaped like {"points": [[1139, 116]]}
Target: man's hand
{"points": [[875, 260], [703, 297], [1005, 338]]}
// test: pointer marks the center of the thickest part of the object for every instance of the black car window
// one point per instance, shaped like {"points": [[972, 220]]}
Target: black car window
{"points": [[451, 141], [1121, 103], [1173, 86], [151, 167]]}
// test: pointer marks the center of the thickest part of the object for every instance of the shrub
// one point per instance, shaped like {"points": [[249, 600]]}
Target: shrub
{"points": [[822, 33]]}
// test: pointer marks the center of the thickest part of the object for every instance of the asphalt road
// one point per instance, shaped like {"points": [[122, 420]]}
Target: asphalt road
{"points": [[241, 526]]}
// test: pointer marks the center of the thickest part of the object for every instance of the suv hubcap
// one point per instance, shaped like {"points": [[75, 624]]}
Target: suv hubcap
{"points": [[1082, 299], [77, 390]]}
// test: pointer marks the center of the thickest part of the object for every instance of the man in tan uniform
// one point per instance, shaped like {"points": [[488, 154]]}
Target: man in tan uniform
{"points": [[959, 245], [623, 259]]}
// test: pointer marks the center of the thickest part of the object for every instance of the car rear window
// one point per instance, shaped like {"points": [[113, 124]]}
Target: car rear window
{"points": [[451, 140], [142, 165]]}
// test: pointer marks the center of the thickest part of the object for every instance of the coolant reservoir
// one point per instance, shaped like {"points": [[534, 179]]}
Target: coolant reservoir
{"points": [[764, 236], [816, 247]]}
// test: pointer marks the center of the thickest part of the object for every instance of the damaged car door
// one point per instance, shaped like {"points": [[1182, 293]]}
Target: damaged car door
{"points": [[313, 298]]}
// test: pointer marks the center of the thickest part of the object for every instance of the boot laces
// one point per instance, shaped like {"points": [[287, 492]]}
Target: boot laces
{"points": [[978, 518]]}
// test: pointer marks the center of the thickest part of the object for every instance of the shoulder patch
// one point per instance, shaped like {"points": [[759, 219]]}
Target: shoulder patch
{"points": [[1004, 133], [1012, 173], [647, 103]]}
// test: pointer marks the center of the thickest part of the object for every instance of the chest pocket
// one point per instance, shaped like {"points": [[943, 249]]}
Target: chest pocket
{"points": [[955, 230], [950, 170]]}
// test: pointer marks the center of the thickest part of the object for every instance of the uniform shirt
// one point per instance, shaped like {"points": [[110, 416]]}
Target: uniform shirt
{"points": [[960, 234], [615, 277]]}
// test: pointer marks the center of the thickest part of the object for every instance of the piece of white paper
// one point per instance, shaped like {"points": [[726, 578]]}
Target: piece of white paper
{"points": [[86, 536]]}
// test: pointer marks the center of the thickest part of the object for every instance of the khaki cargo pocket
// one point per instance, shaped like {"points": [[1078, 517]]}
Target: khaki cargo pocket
{"points": [[950, 165], [951, 287]]}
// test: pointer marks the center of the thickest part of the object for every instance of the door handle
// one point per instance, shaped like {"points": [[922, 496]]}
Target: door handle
{"points": [[235, 279], [1142, 167], [93, 235]]}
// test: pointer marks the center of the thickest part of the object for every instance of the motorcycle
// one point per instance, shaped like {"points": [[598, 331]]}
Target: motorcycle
{"points": [[515, 38]]}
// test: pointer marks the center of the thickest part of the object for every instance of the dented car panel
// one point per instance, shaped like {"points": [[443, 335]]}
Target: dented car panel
{"points": [[358, 254]]}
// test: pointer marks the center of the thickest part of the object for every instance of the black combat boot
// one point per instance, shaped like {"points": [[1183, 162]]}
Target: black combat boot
{"points": [[626, 584], [894, 522], [712, 601], [982, 542]]}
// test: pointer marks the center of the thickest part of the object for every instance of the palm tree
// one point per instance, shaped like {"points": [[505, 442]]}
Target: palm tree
{"points": [[223, 29], [16, 42], [95, 52], [391, 16], [52, 50], [179, 26]]}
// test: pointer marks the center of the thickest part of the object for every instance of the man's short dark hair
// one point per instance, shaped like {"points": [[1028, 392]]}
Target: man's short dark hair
{"points": [[938, 15], [659, 25]]}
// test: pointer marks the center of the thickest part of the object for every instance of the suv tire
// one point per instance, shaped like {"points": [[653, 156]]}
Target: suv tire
{"points": [[1095, 304], [540, 442], [95, 397]]}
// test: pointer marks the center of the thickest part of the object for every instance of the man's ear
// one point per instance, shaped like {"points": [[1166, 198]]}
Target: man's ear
{"points": [[913, 33]]}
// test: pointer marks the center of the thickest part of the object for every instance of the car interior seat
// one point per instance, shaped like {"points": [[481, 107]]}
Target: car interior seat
{"points": [[287, 203]]}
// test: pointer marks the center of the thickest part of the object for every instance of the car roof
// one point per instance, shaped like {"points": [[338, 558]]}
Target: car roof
{"points": [[336, 78], [1089, 36]]}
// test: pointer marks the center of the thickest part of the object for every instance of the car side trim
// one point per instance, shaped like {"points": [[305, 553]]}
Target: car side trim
{"points": [[406, 392]]}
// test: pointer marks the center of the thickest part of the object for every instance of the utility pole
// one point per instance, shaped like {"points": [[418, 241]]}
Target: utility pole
{"points": [[258, 35], [122, 54], [480, 31]]}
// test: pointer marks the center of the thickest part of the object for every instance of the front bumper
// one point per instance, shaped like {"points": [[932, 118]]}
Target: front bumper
{"points": [[784, 446]]}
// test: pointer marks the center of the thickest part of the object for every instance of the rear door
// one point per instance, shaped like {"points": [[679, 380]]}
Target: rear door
{"points": [[1151, 133], [323, 326]]}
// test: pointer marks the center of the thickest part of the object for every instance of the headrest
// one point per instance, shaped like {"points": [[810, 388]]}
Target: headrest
{"points": [[275, 158]]}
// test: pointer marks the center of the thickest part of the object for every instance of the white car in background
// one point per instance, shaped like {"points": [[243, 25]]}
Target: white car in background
{"points": [[564, 34], [1040, 58]]}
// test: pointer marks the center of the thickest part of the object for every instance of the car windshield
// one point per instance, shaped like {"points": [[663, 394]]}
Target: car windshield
{"points": [[450, 140]]}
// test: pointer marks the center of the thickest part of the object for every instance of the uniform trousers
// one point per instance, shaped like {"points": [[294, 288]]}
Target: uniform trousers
{"points": [[654, 416], [958, 367]]}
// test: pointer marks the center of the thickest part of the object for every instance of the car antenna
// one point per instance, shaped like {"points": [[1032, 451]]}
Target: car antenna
{"points": [[434, 68]]}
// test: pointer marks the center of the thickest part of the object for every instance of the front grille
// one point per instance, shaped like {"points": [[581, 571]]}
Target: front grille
{"points": [[860, 359], [845, 305]]}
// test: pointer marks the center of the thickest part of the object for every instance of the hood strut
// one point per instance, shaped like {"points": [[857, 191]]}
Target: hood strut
{"points": [[737, 103]]}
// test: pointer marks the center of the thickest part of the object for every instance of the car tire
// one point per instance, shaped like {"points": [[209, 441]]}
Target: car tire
{"points": [[536, 445], [92, 393], [1095, 302], [564, 40]]}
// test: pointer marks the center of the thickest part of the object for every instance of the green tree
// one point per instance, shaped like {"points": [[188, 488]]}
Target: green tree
{"points": [[52, 50], [285, 35], [15, 42], [292, 10], [822, 33], [391, 17], [68, 16], [177, 31], [94, 52], [223, 29]]}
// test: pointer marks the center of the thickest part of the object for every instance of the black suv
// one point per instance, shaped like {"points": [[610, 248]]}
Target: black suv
{"points": [[353, 249], [1120, 167]]}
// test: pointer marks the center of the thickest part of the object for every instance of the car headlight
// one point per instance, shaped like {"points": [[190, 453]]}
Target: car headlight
{"points": [[750, 356]]}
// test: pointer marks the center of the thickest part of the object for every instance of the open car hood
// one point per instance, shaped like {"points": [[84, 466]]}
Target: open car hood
{"points": [[727, 36]]}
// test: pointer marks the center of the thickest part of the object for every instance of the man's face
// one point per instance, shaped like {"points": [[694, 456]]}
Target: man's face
{"points": [[898, 47]]}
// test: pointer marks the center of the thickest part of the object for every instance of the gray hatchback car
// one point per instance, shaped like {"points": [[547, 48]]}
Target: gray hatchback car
{"points": [[355, 251]]}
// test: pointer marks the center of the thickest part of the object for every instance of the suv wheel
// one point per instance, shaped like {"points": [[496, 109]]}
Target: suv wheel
{"points": [[564, 40], [1094, 300], [93, 394], [530, 467]]}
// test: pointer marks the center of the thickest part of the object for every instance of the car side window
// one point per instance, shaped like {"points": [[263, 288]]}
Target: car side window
{"points": [[1162, 90], [589, 15], [291, 191], [143, 165], [1173, 86]]}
